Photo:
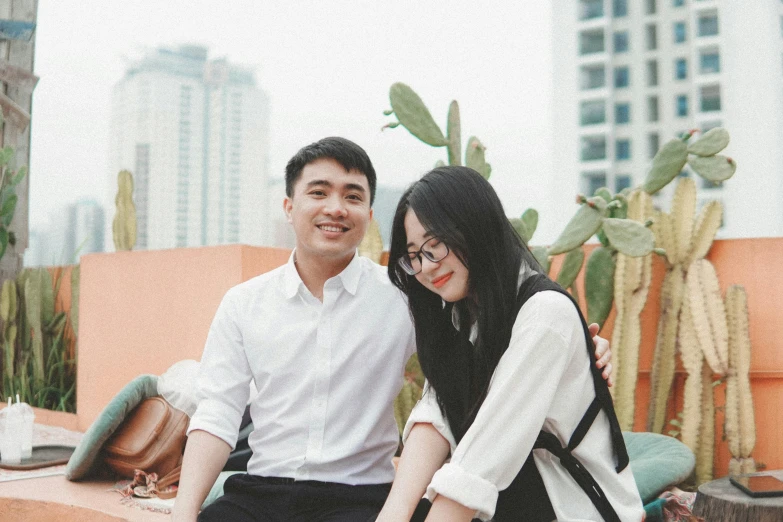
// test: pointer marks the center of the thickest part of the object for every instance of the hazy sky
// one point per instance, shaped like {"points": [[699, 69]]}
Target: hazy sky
{"points": [[327, 67]]}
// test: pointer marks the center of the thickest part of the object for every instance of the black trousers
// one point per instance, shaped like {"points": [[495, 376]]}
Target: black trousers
{"points": [[250, 498]]}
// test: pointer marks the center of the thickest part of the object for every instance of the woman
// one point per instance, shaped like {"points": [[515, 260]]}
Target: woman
{"points": [[510, 381]]}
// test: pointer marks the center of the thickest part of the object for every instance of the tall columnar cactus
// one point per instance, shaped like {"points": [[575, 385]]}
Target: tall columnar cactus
{"points": [[740, 422], [372, 242], [685, 239], [692, 361], [631, 286], [8, 310], [410, 393], [124, 224]]}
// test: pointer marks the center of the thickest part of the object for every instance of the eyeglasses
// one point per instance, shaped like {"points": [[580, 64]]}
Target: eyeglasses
{"points": [[433, 249]]}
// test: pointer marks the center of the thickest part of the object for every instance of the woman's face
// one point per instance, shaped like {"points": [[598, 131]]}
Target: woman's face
{"points": [[448, 277]]}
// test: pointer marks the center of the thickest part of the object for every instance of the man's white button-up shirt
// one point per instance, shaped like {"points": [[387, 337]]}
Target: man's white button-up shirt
{"points": [[326, 373]]}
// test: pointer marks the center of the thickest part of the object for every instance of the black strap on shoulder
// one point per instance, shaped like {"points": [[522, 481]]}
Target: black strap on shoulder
{"points": [[579, 473], [602, 401]]}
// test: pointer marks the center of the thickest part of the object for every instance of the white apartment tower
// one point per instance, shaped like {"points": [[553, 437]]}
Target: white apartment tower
{"points": [[194, 132], [631, 74]]}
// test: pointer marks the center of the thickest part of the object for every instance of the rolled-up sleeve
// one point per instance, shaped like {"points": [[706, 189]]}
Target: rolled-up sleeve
{"points": [[223, 378], [495, 447], [427, 411]]}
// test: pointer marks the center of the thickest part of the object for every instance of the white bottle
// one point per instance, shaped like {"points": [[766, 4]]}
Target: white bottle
{"points": [[12, 442], [28, 419]]}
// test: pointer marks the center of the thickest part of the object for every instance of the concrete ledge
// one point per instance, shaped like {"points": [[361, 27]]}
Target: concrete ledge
{"points": [[55, 498]]}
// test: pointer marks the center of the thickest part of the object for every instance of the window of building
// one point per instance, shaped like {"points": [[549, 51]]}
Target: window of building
{"points": [[708, 24], [680, 34], [652, 73], [678, 3], [622, 182], [651, 37], [682, 105], [622, 149], [619, 8], [710, 98], [592, 181], [680, 69], [591, 42], [593, 148], [709, 61], [652, 108], [622, 76], [653, 144], [621, 41], [622, 113], [592, 77], [651, 7], [592, 112], [591, 9]]}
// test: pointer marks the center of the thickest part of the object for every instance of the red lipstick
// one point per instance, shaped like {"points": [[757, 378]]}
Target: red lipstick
{"points": [[442, 280]]}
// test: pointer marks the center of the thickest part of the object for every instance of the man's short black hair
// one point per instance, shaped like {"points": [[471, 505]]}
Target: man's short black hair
{"points": [[345, 152]]}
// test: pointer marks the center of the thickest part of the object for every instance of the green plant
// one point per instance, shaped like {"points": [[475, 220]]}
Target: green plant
{"points": [[9, 179], [124, 224], [39, 354]]}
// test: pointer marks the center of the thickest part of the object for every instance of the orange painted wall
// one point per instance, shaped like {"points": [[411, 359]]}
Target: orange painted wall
{"points": [[140, 312]]}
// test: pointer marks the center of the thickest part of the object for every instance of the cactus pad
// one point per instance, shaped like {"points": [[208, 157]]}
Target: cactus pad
{"points": [[711, 142], [668, 162], [414, 115]]}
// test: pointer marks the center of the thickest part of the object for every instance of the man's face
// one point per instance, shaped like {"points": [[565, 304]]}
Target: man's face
{"points": [[330, 210]]}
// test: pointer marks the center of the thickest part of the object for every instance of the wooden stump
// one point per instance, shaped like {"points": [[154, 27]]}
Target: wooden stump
{"points": [[721, 501]]}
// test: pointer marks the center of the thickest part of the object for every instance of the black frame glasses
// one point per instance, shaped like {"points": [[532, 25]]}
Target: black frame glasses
{"points": [[406, 261]]}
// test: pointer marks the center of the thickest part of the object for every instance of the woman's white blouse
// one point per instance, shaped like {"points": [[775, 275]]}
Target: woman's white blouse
{"points": [[543, 379]]}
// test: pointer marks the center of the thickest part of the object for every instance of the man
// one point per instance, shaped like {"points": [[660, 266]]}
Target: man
{"points": [[325, 339]]}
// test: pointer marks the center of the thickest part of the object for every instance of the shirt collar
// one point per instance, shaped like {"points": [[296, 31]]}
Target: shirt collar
{"points": [[349, 277]]}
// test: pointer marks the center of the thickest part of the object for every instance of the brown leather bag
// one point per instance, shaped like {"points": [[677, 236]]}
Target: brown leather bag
{"points": [[151, 438]]}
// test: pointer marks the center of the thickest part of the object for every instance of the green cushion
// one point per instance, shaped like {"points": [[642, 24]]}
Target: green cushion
{"points": [[217, 489], [658, 462], [83, 461]]}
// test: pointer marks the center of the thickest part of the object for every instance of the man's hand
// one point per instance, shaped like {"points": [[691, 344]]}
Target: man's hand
{"points": [[603, 353]]}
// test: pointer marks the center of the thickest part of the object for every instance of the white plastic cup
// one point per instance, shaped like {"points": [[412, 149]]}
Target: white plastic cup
{"points": [[12, 438], [28, 419]]}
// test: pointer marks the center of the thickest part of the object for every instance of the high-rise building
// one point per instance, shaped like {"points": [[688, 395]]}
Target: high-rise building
{"points": [[72, 231], [85, 228], [630, 75], [194, 132]]}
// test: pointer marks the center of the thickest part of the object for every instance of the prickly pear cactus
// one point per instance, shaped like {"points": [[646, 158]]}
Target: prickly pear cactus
{"points": [[413, 114], [124, 224], [701, 155]]}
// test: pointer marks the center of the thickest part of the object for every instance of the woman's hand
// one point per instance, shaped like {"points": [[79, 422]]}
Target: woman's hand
{"points": [[603, 353]]}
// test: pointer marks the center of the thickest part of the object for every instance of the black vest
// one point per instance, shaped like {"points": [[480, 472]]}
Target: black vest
{"points": [[526, 498]]}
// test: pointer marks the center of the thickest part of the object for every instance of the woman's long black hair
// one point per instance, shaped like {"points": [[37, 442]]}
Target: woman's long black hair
{"points": [[461, 208]]}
